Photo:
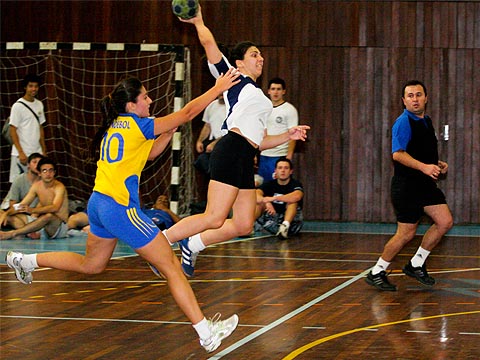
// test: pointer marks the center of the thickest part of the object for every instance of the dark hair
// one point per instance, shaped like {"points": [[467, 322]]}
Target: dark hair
{"points": [[238, 52], [277, 80], [284, 159], [30, 78], [34, 156], [45, 160], [114, 104], [413, 83]]}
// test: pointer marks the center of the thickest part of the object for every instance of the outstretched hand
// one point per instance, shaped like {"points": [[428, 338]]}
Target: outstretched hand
{"points": [[227, 80], [298, 132]]}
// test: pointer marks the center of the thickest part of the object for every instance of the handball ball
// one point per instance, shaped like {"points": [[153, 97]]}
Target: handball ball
{"points": [[185, 9]]}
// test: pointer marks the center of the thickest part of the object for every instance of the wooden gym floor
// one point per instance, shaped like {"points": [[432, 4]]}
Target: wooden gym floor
{"points": [[303, 298]]}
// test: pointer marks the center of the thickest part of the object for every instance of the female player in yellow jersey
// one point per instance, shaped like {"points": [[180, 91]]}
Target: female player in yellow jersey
{"points": [[127, 139]]}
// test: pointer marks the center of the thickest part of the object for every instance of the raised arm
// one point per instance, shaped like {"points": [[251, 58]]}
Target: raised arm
{"points": [[214, 55], [195, 107]]}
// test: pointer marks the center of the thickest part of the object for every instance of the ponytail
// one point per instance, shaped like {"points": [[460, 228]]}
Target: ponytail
{"points": [[111, 106]]}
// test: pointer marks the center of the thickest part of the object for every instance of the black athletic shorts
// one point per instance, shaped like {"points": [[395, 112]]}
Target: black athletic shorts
{"points": [[232, 161], [410, 196]]}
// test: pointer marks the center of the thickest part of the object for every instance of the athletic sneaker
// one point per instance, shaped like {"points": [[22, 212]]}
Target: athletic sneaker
{"points": [[188, 258], [220, 329], [282, 232], [13, 260], [420, 273], [380, 281]]}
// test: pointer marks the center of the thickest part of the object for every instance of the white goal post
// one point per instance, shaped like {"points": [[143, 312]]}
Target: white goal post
{"points": [[75, 76]]}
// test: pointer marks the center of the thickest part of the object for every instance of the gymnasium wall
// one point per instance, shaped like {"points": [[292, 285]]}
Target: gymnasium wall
{"points": [[344, 63]]}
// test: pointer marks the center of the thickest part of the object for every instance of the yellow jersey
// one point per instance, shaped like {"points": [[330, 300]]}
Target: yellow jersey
{"points": [[123, 153]]}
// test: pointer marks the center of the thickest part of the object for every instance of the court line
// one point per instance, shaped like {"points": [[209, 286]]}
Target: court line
{"points": [[306, 347], [286, 317], [95, 319]]}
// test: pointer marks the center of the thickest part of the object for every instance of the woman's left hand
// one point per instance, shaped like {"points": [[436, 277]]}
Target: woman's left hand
{"points": [[298, 132]]}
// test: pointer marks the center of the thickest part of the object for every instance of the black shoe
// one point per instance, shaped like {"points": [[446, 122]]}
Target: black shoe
{"points": [[420, 273], [380, 281]]}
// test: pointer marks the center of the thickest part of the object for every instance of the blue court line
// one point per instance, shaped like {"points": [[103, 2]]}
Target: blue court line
{"points": [[286, 317]]}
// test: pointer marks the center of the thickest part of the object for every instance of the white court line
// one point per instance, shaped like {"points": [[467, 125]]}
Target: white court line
{"points": [[286, 317], [95, 319]]}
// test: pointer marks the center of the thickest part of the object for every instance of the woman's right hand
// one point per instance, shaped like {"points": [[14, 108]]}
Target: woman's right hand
{"points": [[196, 18]]}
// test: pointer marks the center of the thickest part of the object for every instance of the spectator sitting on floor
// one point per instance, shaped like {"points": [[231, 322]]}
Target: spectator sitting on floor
{"points": [[52, 208], [19, 189], [279, 202], [161, 214]]}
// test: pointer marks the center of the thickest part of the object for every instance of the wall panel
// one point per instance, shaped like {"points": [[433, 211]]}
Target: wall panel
{"points": [[344, 63]]}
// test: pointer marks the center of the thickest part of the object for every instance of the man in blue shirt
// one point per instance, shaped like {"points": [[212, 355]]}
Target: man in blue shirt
{"points": [[414, 189]]}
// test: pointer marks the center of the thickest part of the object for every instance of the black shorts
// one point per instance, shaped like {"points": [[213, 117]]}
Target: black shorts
{"points": [[232, 161], [410, 196]]}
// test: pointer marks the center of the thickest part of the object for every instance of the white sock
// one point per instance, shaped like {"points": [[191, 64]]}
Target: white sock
{"points": [[164, 232], [419, 258], [29, 261], [195, 243], [380, 266], [286, 223], [202, 329]]}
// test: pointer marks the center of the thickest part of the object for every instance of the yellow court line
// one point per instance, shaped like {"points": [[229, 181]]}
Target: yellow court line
{"points": [[304, 348]]}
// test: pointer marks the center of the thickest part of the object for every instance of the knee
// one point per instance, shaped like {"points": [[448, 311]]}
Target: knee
{"points": [[245, 228], [445, 224], [93, 269], [215, 221]]}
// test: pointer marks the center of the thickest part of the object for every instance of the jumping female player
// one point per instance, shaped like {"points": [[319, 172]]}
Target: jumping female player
{"points": [[232, 160]]}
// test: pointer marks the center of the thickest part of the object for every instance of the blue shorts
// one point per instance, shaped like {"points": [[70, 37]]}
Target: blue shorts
{"points": [[109, 220]]}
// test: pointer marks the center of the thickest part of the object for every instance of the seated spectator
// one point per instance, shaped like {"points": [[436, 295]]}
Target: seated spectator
{"points": [[52, 208], [161, 214], [279, 202], [19, 189]]}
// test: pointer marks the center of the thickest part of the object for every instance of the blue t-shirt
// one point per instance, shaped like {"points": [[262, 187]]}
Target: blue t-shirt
{"points": [[161, 218], [401, 131]]}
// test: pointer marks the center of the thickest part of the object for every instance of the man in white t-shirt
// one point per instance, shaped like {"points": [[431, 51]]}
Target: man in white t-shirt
{"points": [[283, 117], [213, 117], [26, 119]]}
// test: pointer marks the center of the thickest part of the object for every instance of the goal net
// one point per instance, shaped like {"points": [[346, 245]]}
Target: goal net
{"points": [[73, 82]]}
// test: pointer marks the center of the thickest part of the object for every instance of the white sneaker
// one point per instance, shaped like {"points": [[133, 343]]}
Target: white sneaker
{"points": [[220, 329], [13, 260], [282, 232]]}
